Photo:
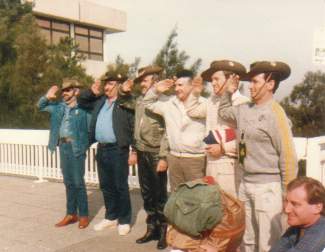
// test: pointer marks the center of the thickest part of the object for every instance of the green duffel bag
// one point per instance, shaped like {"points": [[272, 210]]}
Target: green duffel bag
{"points": [[194, 207]]}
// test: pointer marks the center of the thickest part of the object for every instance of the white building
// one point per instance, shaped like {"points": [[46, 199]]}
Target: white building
{"points": [[89, 24]]}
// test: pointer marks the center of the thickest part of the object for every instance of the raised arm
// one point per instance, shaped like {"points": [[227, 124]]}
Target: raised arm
{"points": [[226, 111], [151, 99], [88, 97], [46, 102], [125, 97], [195, 107]]}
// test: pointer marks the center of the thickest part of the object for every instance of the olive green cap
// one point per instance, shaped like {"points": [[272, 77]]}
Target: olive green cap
{"points": [[148, 70], [280, 69]]}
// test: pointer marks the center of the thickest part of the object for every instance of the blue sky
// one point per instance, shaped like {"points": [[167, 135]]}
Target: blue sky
{"points": [[245, 31]]}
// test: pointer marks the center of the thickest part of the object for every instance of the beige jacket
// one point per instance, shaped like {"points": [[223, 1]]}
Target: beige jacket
{"points": [[184, 134], [209, 110]]}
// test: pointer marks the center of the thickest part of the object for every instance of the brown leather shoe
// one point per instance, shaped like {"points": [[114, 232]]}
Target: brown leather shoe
{"points": [[83, 222], [68, 219]]}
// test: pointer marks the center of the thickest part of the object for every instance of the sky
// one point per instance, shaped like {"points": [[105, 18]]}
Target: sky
{"points": [[239, 30]]}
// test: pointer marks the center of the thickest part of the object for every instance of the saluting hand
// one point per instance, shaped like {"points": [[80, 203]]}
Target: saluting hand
{"points": [[51, 93], [232, 83], [197, 84], [127, 86], [95, 87], [164, 85]]}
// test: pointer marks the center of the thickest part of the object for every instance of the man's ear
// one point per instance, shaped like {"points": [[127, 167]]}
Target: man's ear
{"points": [[270, 85], [317, 208]]}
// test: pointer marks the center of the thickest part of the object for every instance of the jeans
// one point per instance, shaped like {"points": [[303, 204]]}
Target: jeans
{"points": [[113, 172], [73, 170]]}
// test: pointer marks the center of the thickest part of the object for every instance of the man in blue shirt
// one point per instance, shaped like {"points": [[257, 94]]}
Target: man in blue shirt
{"points": [[69, 130], [112, 127], [305, 207]]}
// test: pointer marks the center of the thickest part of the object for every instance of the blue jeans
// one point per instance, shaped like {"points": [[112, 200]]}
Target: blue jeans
{"points": [[113, 172], [73, 170]]}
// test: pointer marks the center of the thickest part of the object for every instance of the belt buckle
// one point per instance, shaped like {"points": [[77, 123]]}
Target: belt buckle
{"points": [[65, 140]]}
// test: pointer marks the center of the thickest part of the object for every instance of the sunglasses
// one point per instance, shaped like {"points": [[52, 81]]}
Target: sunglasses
{"points": [[67, 90]]}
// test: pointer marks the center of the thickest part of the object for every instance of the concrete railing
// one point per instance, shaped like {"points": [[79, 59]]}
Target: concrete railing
{"points": [[25, 152]]}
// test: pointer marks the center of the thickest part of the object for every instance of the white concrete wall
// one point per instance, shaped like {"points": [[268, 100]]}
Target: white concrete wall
{"points": [[82, 11], [95, 68]]}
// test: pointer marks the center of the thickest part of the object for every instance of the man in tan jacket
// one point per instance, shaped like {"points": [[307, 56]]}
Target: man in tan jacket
{"points": [[186, 159], [220, 136]]}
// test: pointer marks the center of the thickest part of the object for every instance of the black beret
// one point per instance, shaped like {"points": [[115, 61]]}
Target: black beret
{"points": [[184, 73]]}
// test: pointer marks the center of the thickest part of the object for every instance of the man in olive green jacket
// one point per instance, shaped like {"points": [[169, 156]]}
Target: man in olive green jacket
{"points": [[151, 148]]}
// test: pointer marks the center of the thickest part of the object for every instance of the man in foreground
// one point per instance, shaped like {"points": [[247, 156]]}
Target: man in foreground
{"points": [[305, 207], [151, 156], [221, 137], [266, 153], [69, 130], [186, 158], [112, 127]]}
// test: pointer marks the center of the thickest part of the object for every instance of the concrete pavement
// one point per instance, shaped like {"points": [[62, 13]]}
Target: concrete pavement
{"points": [[28, 212]]}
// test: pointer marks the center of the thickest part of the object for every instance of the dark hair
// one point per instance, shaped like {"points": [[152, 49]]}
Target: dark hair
{"points": [[273, 76], [314, 189]]}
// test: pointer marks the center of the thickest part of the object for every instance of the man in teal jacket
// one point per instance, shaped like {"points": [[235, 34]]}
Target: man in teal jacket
{"points": [[69, 130]]}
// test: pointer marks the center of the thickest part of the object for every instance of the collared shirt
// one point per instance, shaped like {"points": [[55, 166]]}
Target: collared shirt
{"points": [[65, 128], [104, 125], [312, 240]]}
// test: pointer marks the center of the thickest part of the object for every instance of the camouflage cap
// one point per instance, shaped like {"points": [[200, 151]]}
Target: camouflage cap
{"points": [[224, 65], [280, 69], [145, 71]]}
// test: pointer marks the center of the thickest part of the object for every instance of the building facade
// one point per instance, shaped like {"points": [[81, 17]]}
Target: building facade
{"points": [[89, 24]]}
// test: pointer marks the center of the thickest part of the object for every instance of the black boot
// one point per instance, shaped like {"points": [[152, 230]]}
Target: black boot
{"points": [[151, 234], [162, 243]]}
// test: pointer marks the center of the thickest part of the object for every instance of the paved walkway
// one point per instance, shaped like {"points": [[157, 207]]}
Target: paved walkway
{"points": [[28, 212]]}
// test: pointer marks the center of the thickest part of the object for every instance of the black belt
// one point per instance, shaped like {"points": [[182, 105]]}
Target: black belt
{"points": [[105, 145], [65, 140]]}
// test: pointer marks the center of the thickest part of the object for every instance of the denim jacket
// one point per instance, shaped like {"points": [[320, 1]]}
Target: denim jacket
{"points": [[313, 239], [79, 125]]}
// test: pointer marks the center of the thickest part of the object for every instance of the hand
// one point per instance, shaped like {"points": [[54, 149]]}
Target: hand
{"points": [[214, 150], [77, 92], [132, 158], [51, 93], [95, 87], [164, 85], [197, 84], [232, 83], [208, 248], [162, 165], [127, 86]]}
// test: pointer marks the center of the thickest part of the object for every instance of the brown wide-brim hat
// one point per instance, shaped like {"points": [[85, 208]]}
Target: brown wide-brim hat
{"points": [[224, 65], [70, 83], [280, 69], [119, 77], [145, 71]]}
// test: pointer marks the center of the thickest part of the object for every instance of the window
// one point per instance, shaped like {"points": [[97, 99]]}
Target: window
{"points": [[53, 30], [90, 41]]}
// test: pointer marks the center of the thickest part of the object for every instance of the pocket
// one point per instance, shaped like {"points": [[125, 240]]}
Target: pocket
{"points": [[268, 198]]}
